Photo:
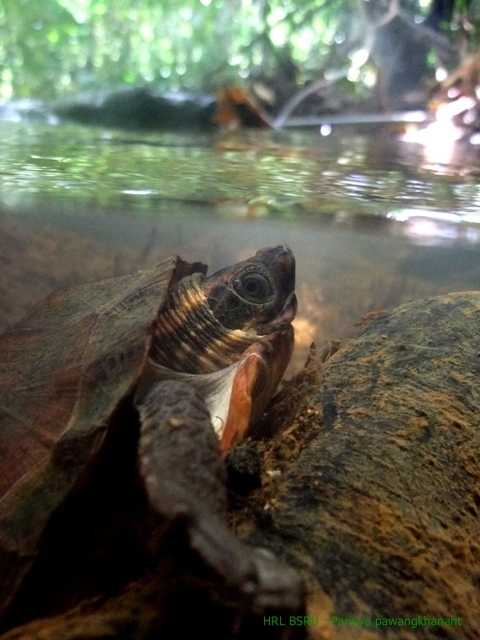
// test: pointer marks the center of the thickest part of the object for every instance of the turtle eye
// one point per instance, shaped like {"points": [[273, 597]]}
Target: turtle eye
{"points": [[254, 287]]}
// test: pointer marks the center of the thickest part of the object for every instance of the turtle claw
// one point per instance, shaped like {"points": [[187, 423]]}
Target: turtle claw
{"points": [[263, 581], [184, 477], [278, 586]]}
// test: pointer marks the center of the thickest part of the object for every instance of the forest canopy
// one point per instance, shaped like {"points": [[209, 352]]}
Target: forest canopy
{"points": [[51, 48]]}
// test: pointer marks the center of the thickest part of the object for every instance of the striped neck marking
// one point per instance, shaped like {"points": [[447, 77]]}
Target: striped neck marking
{"points": [[188, 338]]}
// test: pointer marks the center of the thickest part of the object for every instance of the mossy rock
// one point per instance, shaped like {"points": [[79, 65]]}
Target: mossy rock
{"points": [[380, 506]]}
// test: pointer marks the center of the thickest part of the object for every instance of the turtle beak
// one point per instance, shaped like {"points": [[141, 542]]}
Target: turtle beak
{"points": [[283, 318], [287, 314]]}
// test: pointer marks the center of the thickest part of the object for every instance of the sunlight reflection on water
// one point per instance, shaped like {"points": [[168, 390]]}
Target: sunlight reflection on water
{"points": [[370, 226]]}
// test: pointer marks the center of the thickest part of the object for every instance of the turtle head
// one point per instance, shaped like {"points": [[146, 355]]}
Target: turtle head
{"points": [[229, 335], [256, 295], [206, 324]]}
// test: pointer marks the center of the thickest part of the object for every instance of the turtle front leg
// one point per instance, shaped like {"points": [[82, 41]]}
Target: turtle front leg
{"points": [[184, 476]]}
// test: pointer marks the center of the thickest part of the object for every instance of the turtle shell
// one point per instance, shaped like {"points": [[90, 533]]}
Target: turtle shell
{"points": [[89, 345]]}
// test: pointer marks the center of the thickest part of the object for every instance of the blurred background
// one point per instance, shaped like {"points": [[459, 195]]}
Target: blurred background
{"points": [[390, 48], [352, 135]]}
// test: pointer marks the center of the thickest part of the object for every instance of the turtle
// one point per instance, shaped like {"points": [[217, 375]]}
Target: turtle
{"points": [[118, 399]]}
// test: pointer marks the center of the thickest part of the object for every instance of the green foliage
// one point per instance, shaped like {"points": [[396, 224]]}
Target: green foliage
{"points": [[53, 47]]}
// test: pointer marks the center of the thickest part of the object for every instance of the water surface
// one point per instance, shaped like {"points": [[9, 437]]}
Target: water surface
{"points": [[373, 221]]}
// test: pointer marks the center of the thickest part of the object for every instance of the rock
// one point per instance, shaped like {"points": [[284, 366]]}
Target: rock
{"points": [[380, 505]]}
